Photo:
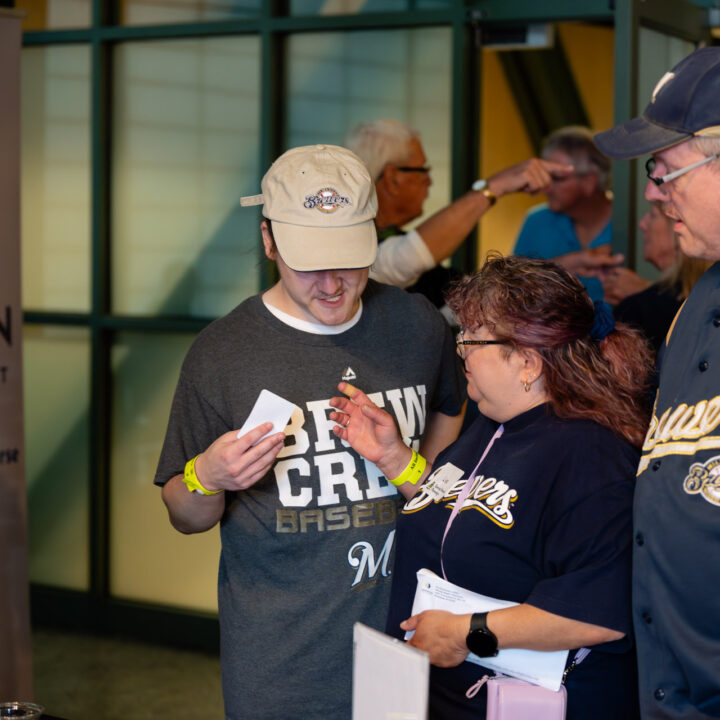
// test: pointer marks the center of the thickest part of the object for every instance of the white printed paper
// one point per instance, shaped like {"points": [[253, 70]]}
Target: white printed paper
{"points": [[535, 666], [390, 678], [269, 407]]}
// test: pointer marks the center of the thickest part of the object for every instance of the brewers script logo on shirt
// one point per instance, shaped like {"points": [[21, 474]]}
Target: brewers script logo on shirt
{"points": [[490, 496], [326, 200], [704, 479], [682, 430]]}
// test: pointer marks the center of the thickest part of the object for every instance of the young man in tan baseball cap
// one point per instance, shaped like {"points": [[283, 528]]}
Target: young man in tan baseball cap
{"points": [[307, 525], [318, 208]]}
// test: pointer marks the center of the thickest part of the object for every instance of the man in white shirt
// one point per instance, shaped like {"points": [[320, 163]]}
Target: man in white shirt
{"points": [[397, 163]]}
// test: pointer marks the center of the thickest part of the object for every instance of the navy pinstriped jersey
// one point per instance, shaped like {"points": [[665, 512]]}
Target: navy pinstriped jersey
{"points": [[676, 558]]}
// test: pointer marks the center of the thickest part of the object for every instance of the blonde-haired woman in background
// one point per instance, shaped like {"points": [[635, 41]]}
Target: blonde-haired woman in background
{"points": [[648, 306]]}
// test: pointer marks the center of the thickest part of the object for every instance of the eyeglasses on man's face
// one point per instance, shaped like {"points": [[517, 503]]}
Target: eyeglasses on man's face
{"points": [[407, 168], [651, 164], [461, 342]]}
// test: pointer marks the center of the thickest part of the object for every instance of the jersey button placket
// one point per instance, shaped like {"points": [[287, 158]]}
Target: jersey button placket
{"points": [[703, 365]]}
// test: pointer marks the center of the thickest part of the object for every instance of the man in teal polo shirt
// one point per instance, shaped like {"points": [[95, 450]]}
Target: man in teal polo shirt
{"points": [[578, 212]]}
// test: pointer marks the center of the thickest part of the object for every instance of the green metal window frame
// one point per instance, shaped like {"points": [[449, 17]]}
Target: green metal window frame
{"points": [[97, 610]]}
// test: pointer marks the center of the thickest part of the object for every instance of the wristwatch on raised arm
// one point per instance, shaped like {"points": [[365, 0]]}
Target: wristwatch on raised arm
{"points": [[483, 188], [480, 640]]}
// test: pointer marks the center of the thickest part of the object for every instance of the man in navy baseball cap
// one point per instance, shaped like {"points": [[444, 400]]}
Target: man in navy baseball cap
{"points": [[676, 562], [680, 129]]}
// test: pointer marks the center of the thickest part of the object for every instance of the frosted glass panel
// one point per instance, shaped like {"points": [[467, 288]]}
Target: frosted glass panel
{"points": [[149, 560], [186, 147], [356, 7], [57, 397], [657, 53], [56, 178], [148, 12], [55, 14], [404, 74]]}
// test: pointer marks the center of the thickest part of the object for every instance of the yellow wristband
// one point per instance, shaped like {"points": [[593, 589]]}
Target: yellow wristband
{"points": [[192, 482], [413, 472]]}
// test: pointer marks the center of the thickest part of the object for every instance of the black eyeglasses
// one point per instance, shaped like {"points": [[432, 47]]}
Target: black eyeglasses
{"points": [[652, 163], [460, 343], [406, 168]]}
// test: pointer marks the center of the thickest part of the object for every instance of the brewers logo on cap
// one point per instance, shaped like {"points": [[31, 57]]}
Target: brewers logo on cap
{"points": [[306, 179], [326, 200]]}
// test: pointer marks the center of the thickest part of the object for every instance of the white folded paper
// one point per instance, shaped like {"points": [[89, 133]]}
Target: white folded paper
{"points": [[535, 666], [268, 407], [390, 678]]}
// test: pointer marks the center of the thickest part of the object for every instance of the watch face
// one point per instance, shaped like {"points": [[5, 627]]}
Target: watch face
{"points": [[482, 642]]}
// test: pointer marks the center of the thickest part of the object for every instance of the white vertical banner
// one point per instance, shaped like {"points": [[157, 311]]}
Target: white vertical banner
{"points": [[16, 655]]}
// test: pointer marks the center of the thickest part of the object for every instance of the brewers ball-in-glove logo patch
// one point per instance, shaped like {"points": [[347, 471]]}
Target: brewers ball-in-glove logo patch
{"points": [[326, 200], [704, 478]]}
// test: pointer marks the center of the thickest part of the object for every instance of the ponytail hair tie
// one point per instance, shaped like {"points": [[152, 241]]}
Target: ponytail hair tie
{"points": [[604, 322]]}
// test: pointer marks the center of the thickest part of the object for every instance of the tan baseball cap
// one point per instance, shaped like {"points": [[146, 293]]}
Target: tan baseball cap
{"points": [[321, 202]]}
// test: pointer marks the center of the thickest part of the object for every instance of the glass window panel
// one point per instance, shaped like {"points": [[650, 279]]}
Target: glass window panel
{"points": [[149, 12], [55, 88], [657, 53], [404, 74], [186, 148], [55, 14], [57, 398], [149, 560], [357, 7]]}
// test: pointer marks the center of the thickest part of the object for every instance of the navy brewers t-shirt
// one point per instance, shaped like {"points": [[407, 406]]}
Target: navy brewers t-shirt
{"points": [[547, 522]]}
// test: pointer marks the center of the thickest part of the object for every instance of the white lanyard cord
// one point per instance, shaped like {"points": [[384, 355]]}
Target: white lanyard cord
{"points": [[465, 492]]}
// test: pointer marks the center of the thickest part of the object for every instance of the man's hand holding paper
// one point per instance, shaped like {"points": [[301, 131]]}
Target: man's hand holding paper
{"points": [[237, 463], [239, 458]]}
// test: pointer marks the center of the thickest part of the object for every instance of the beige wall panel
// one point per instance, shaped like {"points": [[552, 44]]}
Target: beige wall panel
{"points": [[589, 50], [503, 141], [56, 370], [150, 561]]}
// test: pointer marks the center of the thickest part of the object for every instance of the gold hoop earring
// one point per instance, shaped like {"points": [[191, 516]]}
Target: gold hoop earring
{"points": [[527, 386]]}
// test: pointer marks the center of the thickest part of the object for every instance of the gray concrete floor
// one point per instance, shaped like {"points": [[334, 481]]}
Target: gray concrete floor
{"points": [[81, 677]]}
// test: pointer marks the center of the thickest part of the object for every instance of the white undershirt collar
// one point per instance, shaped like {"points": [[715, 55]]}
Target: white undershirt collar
{"points": [[311, 327]]}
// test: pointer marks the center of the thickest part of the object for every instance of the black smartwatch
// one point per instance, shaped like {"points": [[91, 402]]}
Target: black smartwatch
{"points": [[481, 641]]}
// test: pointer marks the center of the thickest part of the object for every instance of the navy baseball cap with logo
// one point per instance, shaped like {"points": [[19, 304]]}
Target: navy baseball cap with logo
{"points": [[685, 103]]}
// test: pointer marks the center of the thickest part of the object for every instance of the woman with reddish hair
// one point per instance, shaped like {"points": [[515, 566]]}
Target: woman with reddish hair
{"points": [[532, 504]]}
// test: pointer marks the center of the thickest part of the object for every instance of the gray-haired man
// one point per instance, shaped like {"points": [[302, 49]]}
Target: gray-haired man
{"points": [[676, 564], [395, 157]]}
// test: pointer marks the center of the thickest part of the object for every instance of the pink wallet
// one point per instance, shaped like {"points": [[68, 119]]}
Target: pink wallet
{"points": [[511, 699]]}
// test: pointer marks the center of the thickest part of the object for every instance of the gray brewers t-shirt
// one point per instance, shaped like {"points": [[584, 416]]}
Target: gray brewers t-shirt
{"points": [[307, 551]]}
